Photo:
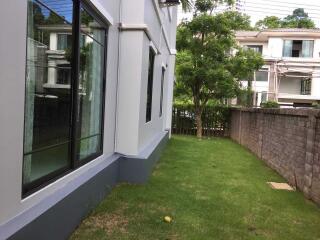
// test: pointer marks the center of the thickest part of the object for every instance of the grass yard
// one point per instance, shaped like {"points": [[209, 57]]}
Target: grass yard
{"points": [[213, 189]]}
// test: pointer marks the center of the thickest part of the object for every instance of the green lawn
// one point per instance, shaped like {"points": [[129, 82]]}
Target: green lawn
{"points": [[213, 189]]}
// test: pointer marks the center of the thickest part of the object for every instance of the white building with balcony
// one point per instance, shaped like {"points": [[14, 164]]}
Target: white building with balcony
{"points": [[291, 74]]}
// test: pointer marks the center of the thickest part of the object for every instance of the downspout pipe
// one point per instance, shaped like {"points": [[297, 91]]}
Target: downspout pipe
{"points": [[118, 78]]}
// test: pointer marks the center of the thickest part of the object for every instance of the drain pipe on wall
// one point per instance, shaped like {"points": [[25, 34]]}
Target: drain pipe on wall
{"points": [[118, 77]]}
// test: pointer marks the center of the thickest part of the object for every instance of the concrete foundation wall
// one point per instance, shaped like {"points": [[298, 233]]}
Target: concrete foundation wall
{"points": [[62, 218], [288, 140]]}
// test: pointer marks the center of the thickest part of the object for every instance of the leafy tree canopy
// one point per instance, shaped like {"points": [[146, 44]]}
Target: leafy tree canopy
{"points": [[209, 62], [269, 22], [203, 5], [298, 19]]}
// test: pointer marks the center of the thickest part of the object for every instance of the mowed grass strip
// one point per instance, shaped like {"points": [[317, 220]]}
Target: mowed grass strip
{"points": [[212, 189]]}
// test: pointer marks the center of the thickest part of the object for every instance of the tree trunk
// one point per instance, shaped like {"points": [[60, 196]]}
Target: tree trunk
{"points": [[199, 123]]}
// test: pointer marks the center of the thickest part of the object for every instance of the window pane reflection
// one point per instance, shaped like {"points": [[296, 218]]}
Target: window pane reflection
{"points": [[47, 110], [91, 86], [90, 27]]}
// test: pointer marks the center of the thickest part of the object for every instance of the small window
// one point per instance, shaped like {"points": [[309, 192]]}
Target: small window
{"points": [[64, 74], [264, 96], [161, 93], [152, 55], [256, 48], [262, 75], [64, 41], [306, 86]]}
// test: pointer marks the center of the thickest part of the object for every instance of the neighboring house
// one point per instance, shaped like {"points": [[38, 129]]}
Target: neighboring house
{"points": [[291, 75], [86, 102]]}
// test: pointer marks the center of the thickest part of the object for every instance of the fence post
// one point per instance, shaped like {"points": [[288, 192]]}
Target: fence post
{"points": [[308, 174]]}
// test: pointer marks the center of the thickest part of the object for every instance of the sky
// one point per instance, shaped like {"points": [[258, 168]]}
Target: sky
{"points": [[258, 9]]}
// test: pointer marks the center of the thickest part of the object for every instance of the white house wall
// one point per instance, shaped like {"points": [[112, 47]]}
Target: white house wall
{"points": [[290, 85], [124, 100], [315, 85], [316, 53], [12, 77], [147, 130], [275, 47], [133, 137], [129, 91]]}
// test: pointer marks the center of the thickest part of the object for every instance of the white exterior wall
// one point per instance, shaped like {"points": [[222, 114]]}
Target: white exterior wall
{"points": [[125, 131], [315, 85], [275, 47], [316, 52], [158, 30], [290, 85]]}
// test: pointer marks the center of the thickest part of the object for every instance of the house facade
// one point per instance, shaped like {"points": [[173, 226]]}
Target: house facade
{"points": [[86, 102], [291, 74]]}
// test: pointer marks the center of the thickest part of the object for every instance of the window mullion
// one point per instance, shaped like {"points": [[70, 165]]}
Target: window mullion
{"points": [[75, 82]]}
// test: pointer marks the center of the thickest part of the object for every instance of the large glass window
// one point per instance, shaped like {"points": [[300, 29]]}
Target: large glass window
{"points": [[61, 127], [152, 55], [91, 85], [298, 48]]}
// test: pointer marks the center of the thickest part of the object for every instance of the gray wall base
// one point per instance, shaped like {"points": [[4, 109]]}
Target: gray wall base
{"points": [[62, 219], [137, 170]]}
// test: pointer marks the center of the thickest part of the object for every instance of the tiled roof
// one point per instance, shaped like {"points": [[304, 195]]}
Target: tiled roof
{"points": [[247, 33], [277, 30], [291, 30]]}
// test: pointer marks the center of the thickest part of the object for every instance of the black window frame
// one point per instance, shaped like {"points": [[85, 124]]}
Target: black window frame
{"points": [[66, 74], [163, 72], [34, 186], [152, 56]]}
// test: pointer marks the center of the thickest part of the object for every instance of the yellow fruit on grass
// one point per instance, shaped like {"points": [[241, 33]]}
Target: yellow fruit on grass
{"points": [[167, 219]]}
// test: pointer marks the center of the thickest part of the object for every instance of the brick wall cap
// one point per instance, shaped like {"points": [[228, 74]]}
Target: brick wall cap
{"points": [[281, 111]]}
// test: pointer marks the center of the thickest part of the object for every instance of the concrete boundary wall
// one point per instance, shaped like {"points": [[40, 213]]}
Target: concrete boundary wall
{"points": [[288, 140]]}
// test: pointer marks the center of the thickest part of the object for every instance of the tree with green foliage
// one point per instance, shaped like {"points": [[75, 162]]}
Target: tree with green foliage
{"points": [[269, 22], [187, 5], [298, 19], [238, 21], [54, 19], [207, 69]]}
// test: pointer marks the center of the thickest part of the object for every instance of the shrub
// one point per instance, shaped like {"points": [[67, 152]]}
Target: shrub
{"points": [[269, 104], [215, 119], [316, 105]]}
